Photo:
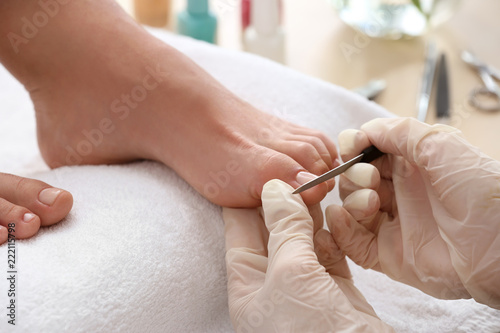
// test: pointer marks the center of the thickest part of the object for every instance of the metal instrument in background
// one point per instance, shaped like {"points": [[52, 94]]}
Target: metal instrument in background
{"points": [[442, 92], [369, 154], [490, 91], [372, 89], [427, 81]]}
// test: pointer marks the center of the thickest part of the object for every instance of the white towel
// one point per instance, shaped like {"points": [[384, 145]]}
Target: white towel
{"points": [[141, 251]]}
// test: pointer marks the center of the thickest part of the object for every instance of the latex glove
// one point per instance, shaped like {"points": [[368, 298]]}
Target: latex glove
{"points": [[434, 220], [275, 281]]}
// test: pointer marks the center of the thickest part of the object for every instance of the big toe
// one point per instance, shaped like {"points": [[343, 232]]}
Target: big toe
{"points": [[50, 204], [283, 167]]}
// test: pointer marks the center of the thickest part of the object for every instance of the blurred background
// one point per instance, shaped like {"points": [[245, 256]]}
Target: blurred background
{"points": [[351, 42]]}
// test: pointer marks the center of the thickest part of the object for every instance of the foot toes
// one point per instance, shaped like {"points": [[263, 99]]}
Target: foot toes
{"points": [[18, 220], [281, 166], [321, 148], [50, 204], [315, 194], [304, 154], [53, 205], [3, 234], [324, 141]]}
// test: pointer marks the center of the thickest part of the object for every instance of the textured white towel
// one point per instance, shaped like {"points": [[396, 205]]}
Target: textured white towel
{"points": [[143, 252]]}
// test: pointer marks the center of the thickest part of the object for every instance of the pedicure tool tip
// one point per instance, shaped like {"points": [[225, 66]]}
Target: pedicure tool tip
{"points": [[369, 154]]}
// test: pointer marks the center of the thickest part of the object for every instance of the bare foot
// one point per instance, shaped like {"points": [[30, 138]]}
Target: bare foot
{"points": [[108, 92], [26, 204]]}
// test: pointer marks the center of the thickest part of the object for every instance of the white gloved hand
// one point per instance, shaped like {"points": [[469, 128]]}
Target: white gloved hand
{"points": [[434, 220], [275, 281]]}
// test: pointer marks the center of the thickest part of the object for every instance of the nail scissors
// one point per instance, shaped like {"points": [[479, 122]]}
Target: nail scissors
{"points": [[490, 91]]}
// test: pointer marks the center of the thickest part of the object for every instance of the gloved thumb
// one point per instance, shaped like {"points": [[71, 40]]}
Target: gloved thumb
{"points": [[412, 139], [290, 227], [450, 163]]}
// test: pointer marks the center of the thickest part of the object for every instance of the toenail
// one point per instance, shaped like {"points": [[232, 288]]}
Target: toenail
{"points": [[49, 195], [28, 217], [304, 177]]}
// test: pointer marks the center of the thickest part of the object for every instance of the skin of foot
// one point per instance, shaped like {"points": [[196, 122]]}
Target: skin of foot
{"points": [[27, 204], [106, 91]]}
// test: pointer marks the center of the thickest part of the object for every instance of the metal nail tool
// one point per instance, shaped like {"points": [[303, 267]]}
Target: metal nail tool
{"points": [[372, 89], [427, 80], [369, 154], [442, 92], [490, 91]]}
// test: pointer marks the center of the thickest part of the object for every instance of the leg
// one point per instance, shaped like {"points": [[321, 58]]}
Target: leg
{"points": [[105, 91]]}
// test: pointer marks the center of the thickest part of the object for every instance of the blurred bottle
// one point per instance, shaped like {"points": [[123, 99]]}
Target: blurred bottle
{"points": [[152, 12], [197, 21], [265, 36], [245, 14]]}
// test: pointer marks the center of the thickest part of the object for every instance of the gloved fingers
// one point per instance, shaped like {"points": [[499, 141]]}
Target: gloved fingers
{"points": [[359, 176], [317, 216], [402, 136], [357, 242], [290, 230], [245, 228], [411, 141], [351, 143], [387, 197], [367, 176], [390, 167], [246, 251], [363, 205], [330, 255], [356, 298], [246, 273]]}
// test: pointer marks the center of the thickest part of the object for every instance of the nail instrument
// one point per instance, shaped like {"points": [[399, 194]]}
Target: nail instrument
{"points": [[486, 98], [427, 81], [442, 93], [369, 154]]}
